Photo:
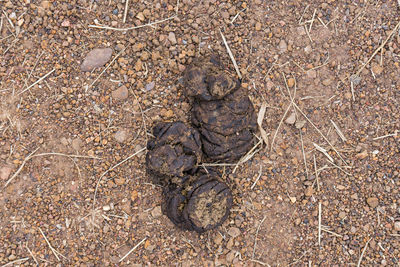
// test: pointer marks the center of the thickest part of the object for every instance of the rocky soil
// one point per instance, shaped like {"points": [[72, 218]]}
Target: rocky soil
{"points": [[83, 82]]}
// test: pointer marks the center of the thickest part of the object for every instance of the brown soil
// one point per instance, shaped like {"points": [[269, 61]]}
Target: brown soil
{"points": [[85, 187]]}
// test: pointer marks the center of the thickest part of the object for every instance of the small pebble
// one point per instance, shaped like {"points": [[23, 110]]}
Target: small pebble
{"points": [[291, 119], [282, 46], [5, 172], [120, 136], [373, 202], [172, 38], [150, 86], [234, 232], [96, 58], [121, 93]]}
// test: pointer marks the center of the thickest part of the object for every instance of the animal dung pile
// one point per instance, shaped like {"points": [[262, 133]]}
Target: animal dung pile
{"points": [[223, 123]]}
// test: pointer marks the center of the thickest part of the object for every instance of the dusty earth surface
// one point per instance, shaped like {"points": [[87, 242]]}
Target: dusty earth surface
{"points": [[74, 191]]}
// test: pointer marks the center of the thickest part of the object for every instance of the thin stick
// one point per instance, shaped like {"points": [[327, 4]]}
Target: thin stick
{"points": [[339, 132], [362, 253], [323, 136], [33, 256], [112, 61], [125, 11], [255, 238], [21, 167], [55, 252], [377, 50], [319, 223], [231, 55], [38, 81], [13, 262], [258, 177], [110, 169], [135, 247], [131, 28], [316, 173], [388, 135]]}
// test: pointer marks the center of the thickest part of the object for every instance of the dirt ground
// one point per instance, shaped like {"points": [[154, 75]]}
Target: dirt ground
{"points": [[324, 191]]}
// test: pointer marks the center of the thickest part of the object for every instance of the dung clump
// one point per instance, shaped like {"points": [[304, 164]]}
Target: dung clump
{"points": [[206, 79], [199, 204], [175, 151], [222, 111], [226, 126], [224, 123]]}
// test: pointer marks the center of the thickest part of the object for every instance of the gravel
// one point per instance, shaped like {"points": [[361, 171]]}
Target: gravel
{"points": [[55, 192]]}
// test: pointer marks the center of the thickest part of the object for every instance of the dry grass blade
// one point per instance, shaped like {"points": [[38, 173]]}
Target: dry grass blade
{"points": [[20, 167], [387, 135], [126, 10], [237, 15], [110, 169], [339, 132], [258, 178], [339, 167], [362, 253], [31, 155], [326, 229], [135, 247], [304, 154], [55, 252], [316, 174], [131, 28], [12, 263], [38, 81], [248, 156], [260, 118], [231, 55], [318, 130], [319, 223], [323, 151], [378, 49], [255, 238], [33, 256], [279, 125]]}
